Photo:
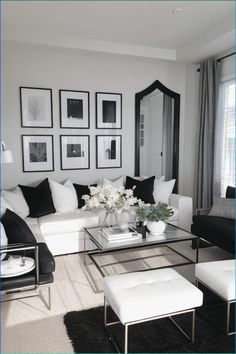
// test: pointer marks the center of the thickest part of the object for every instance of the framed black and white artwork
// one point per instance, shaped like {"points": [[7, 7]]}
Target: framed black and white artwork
{"points": [[37, 151], [36, 107], [108, 110], [108, 151], [74, 109], [75, 152]]}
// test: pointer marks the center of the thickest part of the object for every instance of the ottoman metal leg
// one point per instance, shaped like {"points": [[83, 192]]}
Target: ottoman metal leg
{"points": [[192, 337], [126, 325], [107, 324], [228, 333], [126, 338]]}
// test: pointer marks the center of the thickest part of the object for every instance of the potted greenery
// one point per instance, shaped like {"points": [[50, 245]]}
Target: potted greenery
{"points": [[154, 216]]}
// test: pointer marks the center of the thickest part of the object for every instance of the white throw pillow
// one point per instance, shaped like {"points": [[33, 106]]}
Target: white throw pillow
{"points": [[64, 197], [4, 240], [119, 182], [163, 190], [17, 202], [223, 207], [4, 206]]}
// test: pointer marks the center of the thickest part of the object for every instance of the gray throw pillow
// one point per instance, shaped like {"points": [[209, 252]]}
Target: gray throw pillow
{"points": [[223, 207]]}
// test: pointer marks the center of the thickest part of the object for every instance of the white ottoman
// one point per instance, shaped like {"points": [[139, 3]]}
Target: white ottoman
{"points": [[219, 277], [145, 296]]}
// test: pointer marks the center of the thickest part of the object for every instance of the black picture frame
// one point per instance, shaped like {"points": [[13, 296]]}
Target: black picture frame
{"points": [[75, 152], [37, 153], [36, 107], [108, 110], [108, 151], [74, 109]]}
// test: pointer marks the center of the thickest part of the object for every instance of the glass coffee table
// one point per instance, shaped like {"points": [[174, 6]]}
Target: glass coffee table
{"points": [[146, 250]]}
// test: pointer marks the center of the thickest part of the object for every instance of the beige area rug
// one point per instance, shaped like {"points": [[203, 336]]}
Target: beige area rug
{"points": [[28, 327]]}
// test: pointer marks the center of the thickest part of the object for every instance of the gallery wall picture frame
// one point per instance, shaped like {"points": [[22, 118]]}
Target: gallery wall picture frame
{"points": [[74, 109], [108, 151], [108, 110], [37, 153], [75, 152], [36, 107]]}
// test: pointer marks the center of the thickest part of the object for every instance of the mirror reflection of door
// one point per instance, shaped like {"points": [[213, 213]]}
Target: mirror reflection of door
{"points": [[156, 135]]}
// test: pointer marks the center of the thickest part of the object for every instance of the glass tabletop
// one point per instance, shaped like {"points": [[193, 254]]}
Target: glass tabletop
{"points": [[171, 234]]}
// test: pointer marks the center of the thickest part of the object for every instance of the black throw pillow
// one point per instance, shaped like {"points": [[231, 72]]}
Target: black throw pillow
{"points": [[17, 230], [230, 192], [39, 199], [80, 191], [143, 190]]}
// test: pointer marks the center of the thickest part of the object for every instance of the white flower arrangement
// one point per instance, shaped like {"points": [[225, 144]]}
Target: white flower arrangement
{"points": [[109, 198]]}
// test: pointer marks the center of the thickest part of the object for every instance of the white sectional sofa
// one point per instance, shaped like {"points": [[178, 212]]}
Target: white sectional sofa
{"points": [[64, 232]]}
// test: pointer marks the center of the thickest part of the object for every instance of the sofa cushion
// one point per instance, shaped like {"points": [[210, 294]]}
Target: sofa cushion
{"points": [[80, 191], [66, 222], [39, 199], [163, 190], [143, 189], [223, 207], [64, 197], [17, 202], [219, 228], [17, 230], [117, 183], [4, 206], [34, 227], [230, 192]]}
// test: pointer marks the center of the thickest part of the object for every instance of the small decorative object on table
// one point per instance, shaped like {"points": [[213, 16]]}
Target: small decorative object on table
{"points": [[141, 228], [116, 202], [154, 216], [16, 265]]}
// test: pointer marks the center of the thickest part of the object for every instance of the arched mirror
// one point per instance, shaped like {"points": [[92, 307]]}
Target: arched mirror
{"points": [[157, 132]]}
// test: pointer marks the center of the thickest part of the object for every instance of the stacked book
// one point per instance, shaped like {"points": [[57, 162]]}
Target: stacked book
{"points": [[113, 234]]}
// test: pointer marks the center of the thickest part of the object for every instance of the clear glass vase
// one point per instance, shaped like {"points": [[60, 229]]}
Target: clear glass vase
{"points": [[123, 220], [110, 218]]}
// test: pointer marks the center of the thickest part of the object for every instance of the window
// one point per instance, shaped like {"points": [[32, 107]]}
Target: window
{"points": [[228, 136]]}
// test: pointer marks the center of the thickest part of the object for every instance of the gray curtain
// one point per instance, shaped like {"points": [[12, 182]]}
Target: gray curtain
{"points": [[208, 95], [167, 136]]}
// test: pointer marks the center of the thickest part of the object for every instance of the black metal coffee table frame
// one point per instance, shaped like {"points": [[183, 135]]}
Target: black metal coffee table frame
{"points": [[105, 247]]}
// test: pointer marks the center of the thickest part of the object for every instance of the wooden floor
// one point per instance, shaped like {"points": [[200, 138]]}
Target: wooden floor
{"points": [[28, 327]]}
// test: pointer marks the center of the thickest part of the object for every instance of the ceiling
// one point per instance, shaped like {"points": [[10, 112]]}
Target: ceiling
{"points": [[139, 28]]}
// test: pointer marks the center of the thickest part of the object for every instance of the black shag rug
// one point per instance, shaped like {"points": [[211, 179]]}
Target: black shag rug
{"points": [[86, 332]]}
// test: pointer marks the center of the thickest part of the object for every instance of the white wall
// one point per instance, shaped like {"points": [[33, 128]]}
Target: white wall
{"points": [[55, 68]]}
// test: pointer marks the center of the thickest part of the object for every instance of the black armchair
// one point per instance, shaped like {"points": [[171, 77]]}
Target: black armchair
{"points": [[216, 230], [13, 287]]}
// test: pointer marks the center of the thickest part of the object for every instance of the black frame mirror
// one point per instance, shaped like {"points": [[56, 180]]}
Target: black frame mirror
{"points": [[176, 97]]}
